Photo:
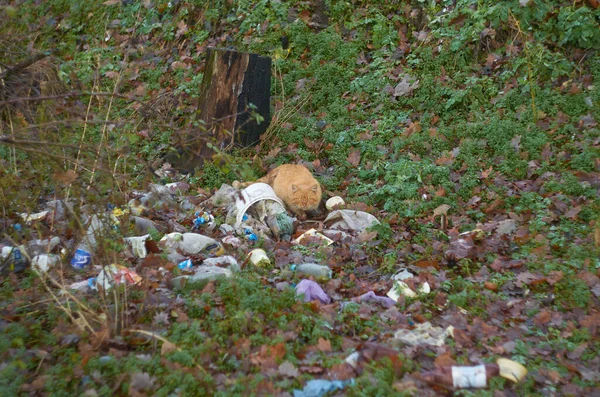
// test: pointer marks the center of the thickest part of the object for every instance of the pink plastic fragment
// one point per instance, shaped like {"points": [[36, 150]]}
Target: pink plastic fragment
{"points": [[371, 297], [312, 291]]}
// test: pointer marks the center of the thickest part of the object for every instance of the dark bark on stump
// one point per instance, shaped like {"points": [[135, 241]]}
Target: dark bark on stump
{"points": [[232, 81]]}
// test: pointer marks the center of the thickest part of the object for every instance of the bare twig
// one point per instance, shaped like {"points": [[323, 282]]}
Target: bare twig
{"points": [[26, 63], [75, 94]]}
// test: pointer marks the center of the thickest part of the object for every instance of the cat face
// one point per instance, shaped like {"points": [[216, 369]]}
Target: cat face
{"points": [[306, 198]]}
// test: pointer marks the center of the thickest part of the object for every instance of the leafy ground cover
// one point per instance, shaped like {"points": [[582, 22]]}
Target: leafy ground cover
{"points": [[469, 129]]}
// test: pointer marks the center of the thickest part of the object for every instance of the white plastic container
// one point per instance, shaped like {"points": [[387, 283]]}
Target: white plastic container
{"points": [[258, 257], [333, 202], [251, 195]]}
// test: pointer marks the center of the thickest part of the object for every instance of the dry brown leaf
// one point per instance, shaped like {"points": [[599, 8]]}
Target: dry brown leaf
{"points": [[572, 213], [459, 249], [441, 210], [167, 347], [324, 345], [486, 173], [182, 29], [506, 226], [370, 352], [444, 359], [66, 178], [288, 369], [542, 318], [366, 236], [554, 277], [342, 371], [354, 157]]}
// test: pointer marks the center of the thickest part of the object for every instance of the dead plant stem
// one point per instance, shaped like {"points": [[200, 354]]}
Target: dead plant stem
{"points": [[104, 137], [164, 340]]}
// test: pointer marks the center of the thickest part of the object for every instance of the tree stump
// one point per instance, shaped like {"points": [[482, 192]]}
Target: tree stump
{"points": [[233, 81]]}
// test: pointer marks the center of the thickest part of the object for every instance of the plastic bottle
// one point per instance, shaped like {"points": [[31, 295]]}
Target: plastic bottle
{"points": [[462, 377], [13, 259], [83, 254], [40, 247], [202, 276], [318, 271]]}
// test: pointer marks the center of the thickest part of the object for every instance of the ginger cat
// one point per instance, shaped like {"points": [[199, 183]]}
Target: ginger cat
{"points": [[296, 187]]}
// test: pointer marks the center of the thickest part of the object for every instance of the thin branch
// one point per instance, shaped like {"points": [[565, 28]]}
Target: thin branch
{"points": [[72, 94], [66, 123], [10, 141], [26, 63]]}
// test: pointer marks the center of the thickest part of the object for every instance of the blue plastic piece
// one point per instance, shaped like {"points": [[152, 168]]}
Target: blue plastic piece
{"points": [[18, 227], [81, 259], [185, 265], [319, 387]]}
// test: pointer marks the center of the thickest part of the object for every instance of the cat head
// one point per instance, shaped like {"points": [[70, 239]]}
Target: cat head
{"points": [[306, 197]]}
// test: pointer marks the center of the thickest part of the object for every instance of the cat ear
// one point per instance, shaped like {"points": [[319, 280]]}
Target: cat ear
{"points": [[294, 188], [315, 188]]}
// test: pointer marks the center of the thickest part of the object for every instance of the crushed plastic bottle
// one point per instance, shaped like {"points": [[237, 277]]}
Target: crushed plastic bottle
{"points": [[462, 377], [13, 259], [465, 377], [90, 283], [39, 247], [202, 276], [320, 272]]}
